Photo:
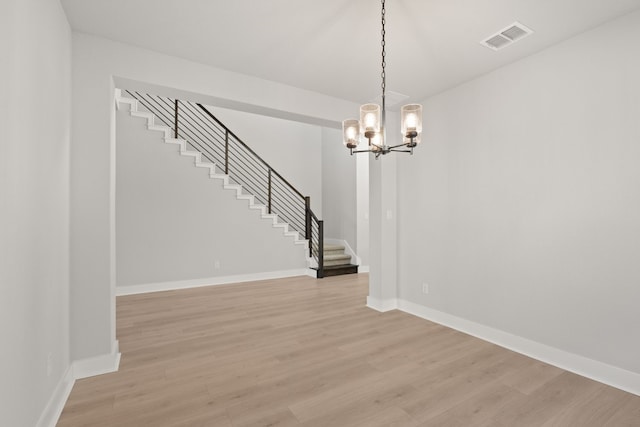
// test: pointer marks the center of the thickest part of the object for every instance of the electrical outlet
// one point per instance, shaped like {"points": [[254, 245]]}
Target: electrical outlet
{"points": [[216, 264], [425, 288]]}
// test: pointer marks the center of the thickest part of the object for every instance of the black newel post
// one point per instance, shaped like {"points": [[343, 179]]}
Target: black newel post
{"points": [[269, 195], [175, 119], [320, 249]]}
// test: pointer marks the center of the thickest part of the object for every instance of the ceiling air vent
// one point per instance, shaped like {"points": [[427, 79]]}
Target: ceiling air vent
{"points": [[507, 36]]}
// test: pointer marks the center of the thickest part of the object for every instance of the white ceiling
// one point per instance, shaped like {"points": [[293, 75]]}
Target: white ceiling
{"points": [[333, 46]]}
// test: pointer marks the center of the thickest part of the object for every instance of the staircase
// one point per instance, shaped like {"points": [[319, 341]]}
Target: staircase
{"points": [[336, 262], [213, 146]]}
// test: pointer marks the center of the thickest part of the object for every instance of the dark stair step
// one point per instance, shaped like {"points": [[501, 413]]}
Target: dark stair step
{"points": [[338, 270]]}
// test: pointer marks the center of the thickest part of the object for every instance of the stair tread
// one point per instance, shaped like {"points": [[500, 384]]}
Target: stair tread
{"points": [[335, 267]]}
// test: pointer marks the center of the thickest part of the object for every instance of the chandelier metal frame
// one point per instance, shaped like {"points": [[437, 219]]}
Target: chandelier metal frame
{"points": [[372, 123]]}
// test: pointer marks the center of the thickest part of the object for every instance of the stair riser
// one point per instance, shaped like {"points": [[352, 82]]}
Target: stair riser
{"points": [[333, 253], [349, 269], [337, 262]]}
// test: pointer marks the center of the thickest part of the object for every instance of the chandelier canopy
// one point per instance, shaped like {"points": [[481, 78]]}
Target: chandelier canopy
{"points": [[371, 126]]}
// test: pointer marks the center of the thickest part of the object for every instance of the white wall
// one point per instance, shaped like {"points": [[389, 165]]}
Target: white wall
{"points": [[521, 208], [35, 44], [362, 209], [292, 148], [173, 222], [383, 222], [339, 189], [97, 63]]}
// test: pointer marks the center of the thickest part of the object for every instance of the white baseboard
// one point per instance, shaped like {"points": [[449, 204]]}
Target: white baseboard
{"points": [[363, 269], [79, 369], [211, 281], [51, 413], [382, 305], [598, 371], [98, 365]]}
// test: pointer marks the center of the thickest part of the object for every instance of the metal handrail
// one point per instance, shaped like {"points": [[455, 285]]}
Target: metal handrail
{"points": [[250, 150], [217, 142]]}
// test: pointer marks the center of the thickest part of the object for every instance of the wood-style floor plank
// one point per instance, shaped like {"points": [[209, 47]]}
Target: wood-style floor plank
{"points": [[306, 352]]}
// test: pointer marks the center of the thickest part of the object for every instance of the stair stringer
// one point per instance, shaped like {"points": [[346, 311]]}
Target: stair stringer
{"points": [[123, 102]]}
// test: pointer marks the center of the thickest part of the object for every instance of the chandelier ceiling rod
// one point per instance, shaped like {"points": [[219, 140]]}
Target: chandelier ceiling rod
{"points": [[383, 75], [372, 124]]}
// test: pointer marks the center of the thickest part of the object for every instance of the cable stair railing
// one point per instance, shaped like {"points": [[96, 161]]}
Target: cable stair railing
{"points": [[204, 133]]}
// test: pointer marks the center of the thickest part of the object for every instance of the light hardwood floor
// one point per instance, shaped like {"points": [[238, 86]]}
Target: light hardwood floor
{"points": [[306, 352]]}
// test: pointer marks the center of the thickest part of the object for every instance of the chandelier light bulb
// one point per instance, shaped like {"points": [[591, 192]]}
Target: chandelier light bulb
{"points": [[411, 122], [411, 119], [377, 141], [350, 133], [369, 120]]}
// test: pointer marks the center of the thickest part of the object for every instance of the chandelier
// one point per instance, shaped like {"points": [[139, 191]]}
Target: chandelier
{"points": [[371, 126]]}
